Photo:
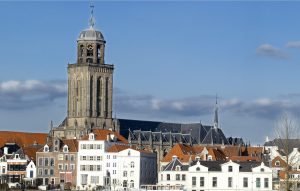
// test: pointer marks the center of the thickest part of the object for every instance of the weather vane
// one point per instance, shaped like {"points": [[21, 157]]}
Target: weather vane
{"points": [[92, 20]]}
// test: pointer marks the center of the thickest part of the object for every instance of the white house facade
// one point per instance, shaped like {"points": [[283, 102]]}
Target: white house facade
{"points": [[216, 175]]}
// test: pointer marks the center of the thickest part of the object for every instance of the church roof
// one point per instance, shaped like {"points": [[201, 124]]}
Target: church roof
{"points": [[215, 136], [91, 34]]}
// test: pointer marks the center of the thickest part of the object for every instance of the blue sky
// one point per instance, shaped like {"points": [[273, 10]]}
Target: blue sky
{"points": [[171, 59]]}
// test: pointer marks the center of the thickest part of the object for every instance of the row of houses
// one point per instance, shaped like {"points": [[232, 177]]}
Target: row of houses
{"points": [[104, 159]]}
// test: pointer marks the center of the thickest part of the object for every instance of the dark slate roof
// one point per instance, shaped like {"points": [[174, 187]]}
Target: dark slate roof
{"points": [[172, 165], [175, 131], [245, 166], [280, 143], [215, 136], [12, 147]]}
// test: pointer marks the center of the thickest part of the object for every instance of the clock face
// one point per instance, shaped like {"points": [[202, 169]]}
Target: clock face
{"points": [[90, 47]]}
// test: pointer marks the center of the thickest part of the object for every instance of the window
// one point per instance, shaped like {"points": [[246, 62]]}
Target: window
{"points": [[114, 157], [82, 167], [245, 182], [108, 164], [84, 179], [40, 161], [131, 183], [266, 183], [229, 168], [31, 174], [132, 173], [229, 182], [83, 146], [201, 181], [51, 161], [114, 164], [107, 156], [65, 148], [72, 157], [277, 163], [124, 183], [66, 167], [91, 158], [214, 182], [168, 176], [66, 157], [183, 177], [94, 179], [60, 167], [177, 168], [51, 172], [99, 168], [132, 164], [40, 171], [83, 157], [257, 182], [161, 177], [198, 169], [91, 168], [72, 166], [262, 170], [61, 157], [193, 181], [46, 172], [177, 176], [125, 174]]}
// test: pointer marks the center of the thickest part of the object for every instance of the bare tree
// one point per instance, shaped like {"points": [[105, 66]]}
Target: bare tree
{"points": [[287, 133]]}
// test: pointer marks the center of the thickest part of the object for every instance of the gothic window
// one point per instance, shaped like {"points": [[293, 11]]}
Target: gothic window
{"points": [[99, 95], [98, 53], [81, 51], [91, 95], [106, 96]]}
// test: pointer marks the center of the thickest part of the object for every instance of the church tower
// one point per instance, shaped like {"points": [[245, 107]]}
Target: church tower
{"points": [[90, 84]]}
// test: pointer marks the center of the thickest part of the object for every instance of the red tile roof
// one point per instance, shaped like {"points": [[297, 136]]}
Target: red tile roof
{"points": [[282, 162], [22, 139], [117, 148], [101, 134]]}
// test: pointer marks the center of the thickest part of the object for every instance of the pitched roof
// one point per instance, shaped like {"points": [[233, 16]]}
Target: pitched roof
{"points": [[117, 148], [185, 153], [282, 162], [101, 134], [30, 151], [280, 143], [71, 143], [22, 138], [245, 158]]}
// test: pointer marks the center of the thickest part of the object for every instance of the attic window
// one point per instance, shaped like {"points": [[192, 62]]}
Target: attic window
{"points": [[178, 168], [128, 153], [17, 156], [209, 157], [46, 148], [198, 169], [277, 163], [66, 148], [91, 136], [262, 170], [229, 168]]}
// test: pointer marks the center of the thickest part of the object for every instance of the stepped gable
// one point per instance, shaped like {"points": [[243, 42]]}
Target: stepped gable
{"points": [[22, 139]]}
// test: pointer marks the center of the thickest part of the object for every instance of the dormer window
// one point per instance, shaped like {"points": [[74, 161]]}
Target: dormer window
{"points": [[277, 163], [129, 153], [46, 148], [229, 168], [17, 156], [91, 137], [65, 149], [198, 169], [178, 168], [209, 157]]}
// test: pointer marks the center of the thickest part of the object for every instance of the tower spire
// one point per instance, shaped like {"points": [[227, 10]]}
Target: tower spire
{"points": [[216, 117], [92, 19]]}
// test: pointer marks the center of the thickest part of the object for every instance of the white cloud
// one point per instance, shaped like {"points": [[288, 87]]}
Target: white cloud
{"points": [[293, 44], [15, 94], [271, 51]]}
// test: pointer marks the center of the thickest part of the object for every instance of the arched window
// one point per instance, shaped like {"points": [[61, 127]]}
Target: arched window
{"points": [[262, 170], [198, 169], [132, 164], [131, 184]]}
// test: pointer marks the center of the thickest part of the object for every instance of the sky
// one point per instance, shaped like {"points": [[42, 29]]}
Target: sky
{"points": [[171, 59]]}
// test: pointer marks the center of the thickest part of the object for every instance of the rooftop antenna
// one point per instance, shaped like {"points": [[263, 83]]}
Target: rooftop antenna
{"points": [[92, 19]]}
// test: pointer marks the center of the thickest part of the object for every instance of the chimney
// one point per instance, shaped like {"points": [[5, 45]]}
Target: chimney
{"points": [[5, 150], [108, 137]]}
